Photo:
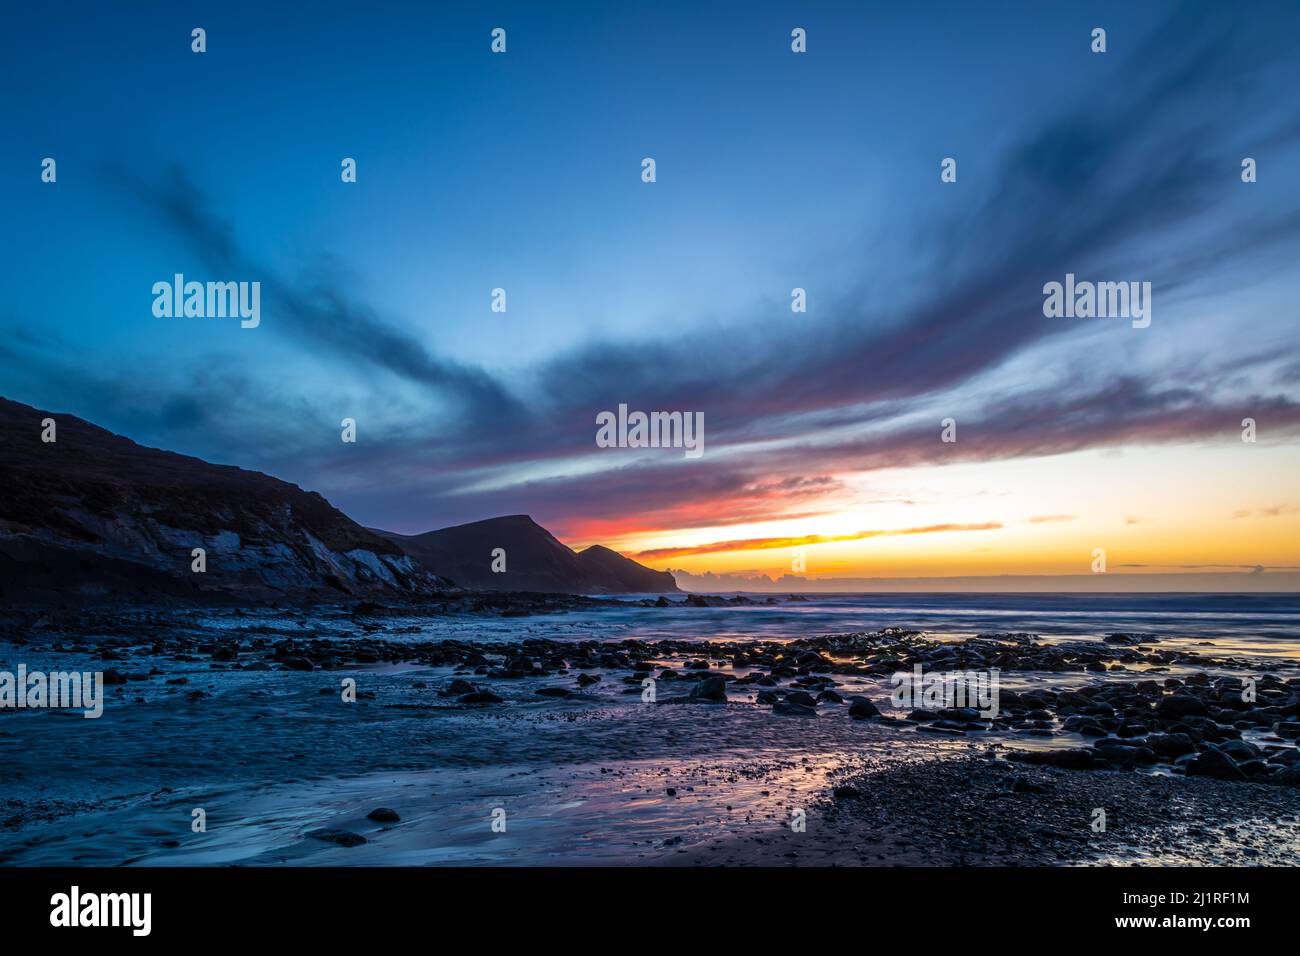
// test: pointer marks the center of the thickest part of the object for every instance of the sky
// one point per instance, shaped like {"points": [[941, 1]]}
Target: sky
{"points": [[775, 170]]}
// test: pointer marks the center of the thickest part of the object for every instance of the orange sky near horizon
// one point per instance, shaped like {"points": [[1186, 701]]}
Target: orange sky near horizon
{"points": [[1156, 509]]}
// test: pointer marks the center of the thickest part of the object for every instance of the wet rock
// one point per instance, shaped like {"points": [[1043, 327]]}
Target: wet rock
{"points": [[383, 815], [1074, 758], [341, 837], [846, 793], [460, 686], [1239, 750], [1171, 745], [861, 708], [298, 664], [1182, 705], [788, 709], [480, 697], [1213, 763], [1125, 754], [1287, 776], [553, 692], [801, 697], [711, 689]]}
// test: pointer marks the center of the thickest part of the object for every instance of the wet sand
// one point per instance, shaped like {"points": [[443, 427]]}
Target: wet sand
{"points": [[242, 716]]}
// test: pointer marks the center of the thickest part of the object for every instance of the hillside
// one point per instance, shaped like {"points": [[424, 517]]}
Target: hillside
{"points": [[535, 560], [95, 514]]}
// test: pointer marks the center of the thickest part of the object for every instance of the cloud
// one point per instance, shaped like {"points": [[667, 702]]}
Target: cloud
{"points": [[312, 304], [1130, 176], [1274, 511], [763, 544]]}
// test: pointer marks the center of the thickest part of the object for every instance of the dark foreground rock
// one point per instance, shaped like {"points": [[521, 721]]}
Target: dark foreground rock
{"points": [[341, 837]]}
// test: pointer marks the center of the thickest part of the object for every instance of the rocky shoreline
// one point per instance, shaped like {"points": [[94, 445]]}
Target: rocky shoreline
{"points": [[1174, 743], [1193, 724], [982, 810]]}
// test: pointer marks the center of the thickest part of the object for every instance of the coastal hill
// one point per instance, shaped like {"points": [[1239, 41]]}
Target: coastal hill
{"points": [[534, 560], [95, 515]]}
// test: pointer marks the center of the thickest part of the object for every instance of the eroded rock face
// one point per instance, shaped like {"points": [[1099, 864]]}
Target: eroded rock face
{"points": [[95, 512]]}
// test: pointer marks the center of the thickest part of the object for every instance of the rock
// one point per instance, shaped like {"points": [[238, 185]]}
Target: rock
{"points": [[712, 689], [112, 676], [553, 692], [1128, 755], [460, 686], [829, 696], [846, 793], [341, 837], [1171, 745], [861, 708], [1074, 758], [1239, 750], [800, 697], [1181, 705], [1287, 776], [788, 709], [480, 697], [1214, 763], [586, 680], [298, 664], [383, 815], [1024, 785]]}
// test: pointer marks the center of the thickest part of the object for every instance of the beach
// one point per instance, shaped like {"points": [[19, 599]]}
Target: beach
{"points": [[523, 733]]}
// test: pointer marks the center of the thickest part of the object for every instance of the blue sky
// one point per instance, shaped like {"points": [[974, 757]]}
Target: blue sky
{"points": [[521, 171]]}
